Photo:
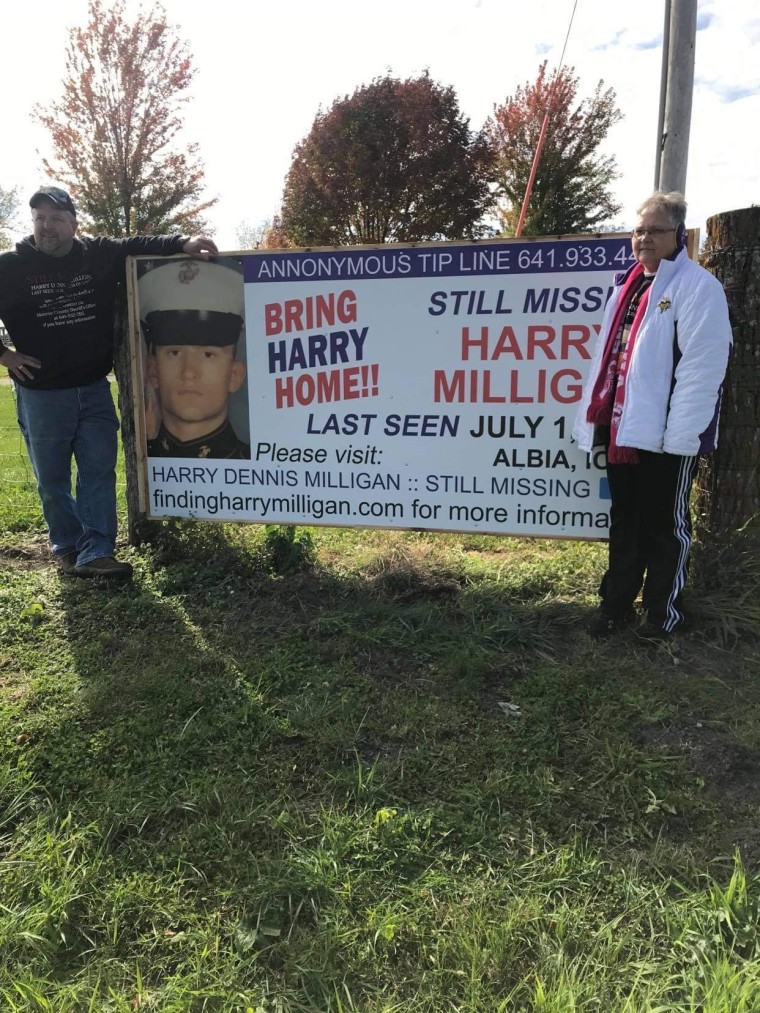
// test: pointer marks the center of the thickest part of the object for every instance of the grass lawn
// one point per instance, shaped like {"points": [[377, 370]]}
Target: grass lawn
{"points": [[404, 779]]}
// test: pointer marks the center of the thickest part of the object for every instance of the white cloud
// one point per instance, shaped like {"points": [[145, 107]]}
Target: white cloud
{"points": [[264, 68]]}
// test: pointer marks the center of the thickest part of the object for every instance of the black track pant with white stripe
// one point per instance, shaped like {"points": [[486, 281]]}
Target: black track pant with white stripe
{"points": [[650, 536]]}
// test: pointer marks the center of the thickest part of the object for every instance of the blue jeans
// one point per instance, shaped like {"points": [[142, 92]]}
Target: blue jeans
{"points": [[78, 422]]}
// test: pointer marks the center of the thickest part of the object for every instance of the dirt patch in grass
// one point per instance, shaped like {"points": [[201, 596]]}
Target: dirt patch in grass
{"points": [[34, 554], [730, 770], [731, 775]]}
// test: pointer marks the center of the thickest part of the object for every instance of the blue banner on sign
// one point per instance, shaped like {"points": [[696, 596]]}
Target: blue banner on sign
{"points": [[447, 261]]}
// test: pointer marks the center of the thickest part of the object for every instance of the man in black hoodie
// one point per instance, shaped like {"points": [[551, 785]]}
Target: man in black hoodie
{"points": [[57, 301]]}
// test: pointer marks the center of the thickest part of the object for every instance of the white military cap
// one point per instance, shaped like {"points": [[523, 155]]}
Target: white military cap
{"points": [[192, 302]]}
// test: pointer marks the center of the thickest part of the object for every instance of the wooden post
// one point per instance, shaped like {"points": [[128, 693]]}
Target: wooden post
{"points": [[729, 482], [680, 86], [139, 529]]}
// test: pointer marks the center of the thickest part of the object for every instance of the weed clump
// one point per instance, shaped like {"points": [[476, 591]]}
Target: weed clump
{"points": [[726, 582], [287, 549]]}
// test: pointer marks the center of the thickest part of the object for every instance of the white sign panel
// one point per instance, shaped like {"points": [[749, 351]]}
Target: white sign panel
{"points": [[427, 387]]}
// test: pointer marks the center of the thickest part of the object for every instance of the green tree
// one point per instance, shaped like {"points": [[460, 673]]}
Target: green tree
{"points": [[571, 192], [394, 162], [9, 204], [114, 132]]}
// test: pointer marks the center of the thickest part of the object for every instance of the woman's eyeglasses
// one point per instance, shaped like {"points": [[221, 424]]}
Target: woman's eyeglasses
{"points": [[640, 232]]}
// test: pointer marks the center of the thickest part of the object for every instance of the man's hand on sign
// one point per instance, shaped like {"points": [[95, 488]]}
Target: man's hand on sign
{"points": [[201, 247]]}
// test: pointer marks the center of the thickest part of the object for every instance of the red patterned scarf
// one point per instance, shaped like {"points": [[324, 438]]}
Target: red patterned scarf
{"points": [[608, 395]]}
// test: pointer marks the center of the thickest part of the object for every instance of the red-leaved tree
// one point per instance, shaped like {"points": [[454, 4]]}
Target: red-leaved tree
{"points": [[114, 132], [394, 162], [572, 191]]}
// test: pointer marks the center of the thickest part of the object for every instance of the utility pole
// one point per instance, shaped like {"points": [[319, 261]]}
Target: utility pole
{"points": [[679, 40]]}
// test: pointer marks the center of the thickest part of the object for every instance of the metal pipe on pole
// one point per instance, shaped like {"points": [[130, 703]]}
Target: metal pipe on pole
{"points": [[676, 103], [542, 135], [533, 171]]}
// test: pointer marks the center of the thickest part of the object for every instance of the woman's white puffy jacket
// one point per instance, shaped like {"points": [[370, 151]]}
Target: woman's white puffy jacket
{"points": [[678, 364]]}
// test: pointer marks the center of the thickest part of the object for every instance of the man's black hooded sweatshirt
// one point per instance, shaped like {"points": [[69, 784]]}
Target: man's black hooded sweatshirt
{"points": [[61, 309]]}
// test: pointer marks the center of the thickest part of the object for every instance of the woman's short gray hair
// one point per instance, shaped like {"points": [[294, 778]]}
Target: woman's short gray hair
{"points": [[672, 204]]}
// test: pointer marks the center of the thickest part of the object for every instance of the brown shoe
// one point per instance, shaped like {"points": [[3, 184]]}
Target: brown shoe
{"points": [[67, 563], [105, 566]]}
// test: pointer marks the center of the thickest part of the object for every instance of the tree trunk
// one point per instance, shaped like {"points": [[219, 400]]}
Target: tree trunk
{"points": [[730, 478]]}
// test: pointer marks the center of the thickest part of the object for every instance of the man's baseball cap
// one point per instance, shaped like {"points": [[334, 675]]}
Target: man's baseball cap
{"points": [[54, 194]]}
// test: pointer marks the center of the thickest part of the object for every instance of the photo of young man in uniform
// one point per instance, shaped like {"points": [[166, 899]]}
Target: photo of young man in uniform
{"points": [[192, 317]]}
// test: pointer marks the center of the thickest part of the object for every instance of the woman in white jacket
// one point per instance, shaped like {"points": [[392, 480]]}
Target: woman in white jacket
{"points": [[652, 399]]}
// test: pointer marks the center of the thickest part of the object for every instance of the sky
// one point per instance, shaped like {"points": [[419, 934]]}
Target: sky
{"points": [[265, 67]]}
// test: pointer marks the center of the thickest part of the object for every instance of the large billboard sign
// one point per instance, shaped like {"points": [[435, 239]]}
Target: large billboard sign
{"points": [[428, 387]]}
